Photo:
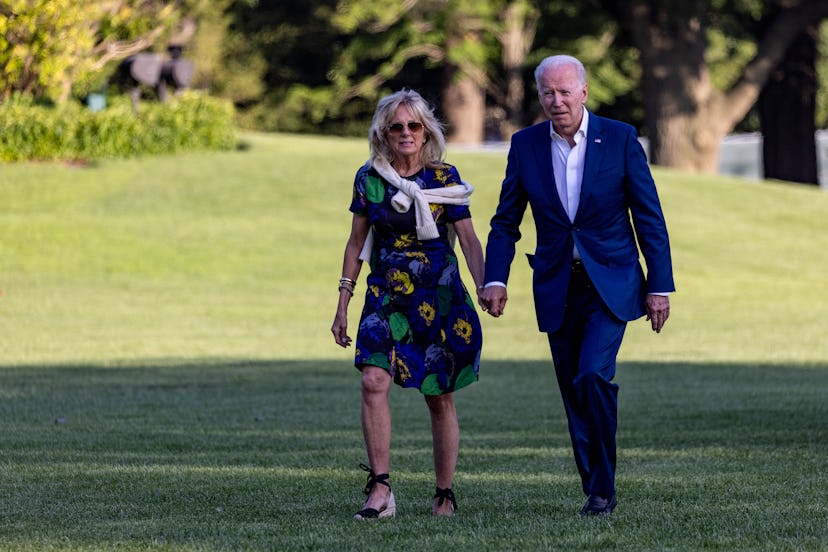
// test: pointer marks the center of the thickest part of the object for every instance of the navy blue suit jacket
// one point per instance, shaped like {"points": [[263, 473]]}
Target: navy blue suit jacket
{"points": [[619, 212]]}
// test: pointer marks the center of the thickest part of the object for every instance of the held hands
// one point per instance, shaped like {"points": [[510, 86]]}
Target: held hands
{"points": [[492, 299], [658, 310]]}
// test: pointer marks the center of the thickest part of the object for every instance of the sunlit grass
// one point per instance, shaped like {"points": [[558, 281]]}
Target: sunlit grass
{"points": [[263, 455], [168, 379]]}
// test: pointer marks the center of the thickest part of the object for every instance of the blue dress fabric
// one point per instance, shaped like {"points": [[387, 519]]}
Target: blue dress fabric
{"points": [[419, 321]]}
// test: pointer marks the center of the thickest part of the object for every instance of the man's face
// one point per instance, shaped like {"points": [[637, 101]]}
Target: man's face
{"points": [[562, 97]]}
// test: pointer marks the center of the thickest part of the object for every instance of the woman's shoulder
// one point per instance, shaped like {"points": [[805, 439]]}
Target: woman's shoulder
{"points": [[443, 166], [446, 174], [363, 172], [367, 175]]}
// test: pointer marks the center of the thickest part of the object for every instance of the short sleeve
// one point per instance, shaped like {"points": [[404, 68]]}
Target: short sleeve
{"points": [[359, 200], [449, 176]]}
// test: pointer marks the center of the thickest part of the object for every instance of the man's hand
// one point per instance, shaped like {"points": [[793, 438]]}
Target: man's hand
{"points": [[494, 299], [658, 310]]}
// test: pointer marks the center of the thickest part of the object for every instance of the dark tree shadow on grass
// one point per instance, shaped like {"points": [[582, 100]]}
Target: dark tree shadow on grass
{"points": [[196, 451]]}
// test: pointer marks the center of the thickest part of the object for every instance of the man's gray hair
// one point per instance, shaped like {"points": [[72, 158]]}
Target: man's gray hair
{"points": [[552, 62]]}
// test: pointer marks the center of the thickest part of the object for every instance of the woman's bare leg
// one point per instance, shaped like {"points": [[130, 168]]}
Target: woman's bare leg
{"points": [[445, 433], [376, 428]]}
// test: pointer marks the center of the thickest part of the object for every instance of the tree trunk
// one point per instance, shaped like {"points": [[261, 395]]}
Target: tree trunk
{"points": [[684, 119], [464, 107], [787, 109], [686, 116], [520, 21]]}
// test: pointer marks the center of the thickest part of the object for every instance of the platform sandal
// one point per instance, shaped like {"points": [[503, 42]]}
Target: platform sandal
{"points": [[390, 507]]}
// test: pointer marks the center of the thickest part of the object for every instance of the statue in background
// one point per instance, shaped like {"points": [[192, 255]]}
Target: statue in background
{"points": [[155, 71]]}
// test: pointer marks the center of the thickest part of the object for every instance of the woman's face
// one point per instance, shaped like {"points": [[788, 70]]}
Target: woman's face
{"points": [[406, 133]]}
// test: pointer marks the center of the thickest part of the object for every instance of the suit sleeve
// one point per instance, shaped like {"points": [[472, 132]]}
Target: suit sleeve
{"points": [[648, 218], [505, 224]]}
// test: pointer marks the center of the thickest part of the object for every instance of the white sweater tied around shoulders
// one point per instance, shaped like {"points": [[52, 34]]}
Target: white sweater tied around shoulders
{"points": [[410, 193]]}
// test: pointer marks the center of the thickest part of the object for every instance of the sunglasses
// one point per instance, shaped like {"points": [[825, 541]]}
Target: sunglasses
{"points": [[413, 126]]}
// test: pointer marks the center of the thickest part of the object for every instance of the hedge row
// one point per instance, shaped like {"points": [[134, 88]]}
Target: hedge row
{"points": [[190, 121]]}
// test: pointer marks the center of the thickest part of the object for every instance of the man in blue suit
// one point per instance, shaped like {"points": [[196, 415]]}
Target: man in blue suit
{"points": [[595, 206]]}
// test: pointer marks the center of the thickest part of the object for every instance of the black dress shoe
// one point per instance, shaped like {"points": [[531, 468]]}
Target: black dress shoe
{"points": [[598, 506]]}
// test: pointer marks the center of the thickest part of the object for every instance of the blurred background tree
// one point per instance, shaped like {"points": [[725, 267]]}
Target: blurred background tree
{"points": [[687, 114], [684, 72], [50, 49]]}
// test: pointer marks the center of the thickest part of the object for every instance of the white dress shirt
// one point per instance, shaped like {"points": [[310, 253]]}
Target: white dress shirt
{"points": [[568, 167]]}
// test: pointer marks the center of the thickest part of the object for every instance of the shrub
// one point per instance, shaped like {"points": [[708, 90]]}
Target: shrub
{"points": [[191, 121]]}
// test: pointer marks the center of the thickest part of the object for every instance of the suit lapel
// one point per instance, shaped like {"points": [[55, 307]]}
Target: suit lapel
{"points": [[592, 160], [546, 176]]}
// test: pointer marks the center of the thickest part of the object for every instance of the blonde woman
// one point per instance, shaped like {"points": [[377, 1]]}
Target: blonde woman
{"points": [[419, 327]]}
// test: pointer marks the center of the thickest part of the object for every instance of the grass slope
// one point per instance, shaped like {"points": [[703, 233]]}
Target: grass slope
{"points": [[168, 378]]}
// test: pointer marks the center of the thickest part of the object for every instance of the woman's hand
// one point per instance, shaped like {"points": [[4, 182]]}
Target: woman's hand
{"points": [[339, 329], [350, 271]]}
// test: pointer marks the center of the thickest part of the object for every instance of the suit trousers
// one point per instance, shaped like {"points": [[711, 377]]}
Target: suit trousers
{"points": [[584, 351]]}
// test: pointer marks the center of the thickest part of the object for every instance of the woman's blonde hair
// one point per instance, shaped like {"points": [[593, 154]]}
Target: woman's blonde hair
{"points": [[434, 146]]}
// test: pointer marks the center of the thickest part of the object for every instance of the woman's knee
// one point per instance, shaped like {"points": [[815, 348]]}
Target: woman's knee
{"points": [[375, 379], [440, 405]]}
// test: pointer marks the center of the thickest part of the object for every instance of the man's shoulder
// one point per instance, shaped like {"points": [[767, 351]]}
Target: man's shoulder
{"points": [[531, 132], [605, 124]]}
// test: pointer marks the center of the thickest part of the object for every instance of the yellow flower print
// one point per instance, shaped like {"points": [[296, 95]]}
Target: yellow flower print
{"points": [[374, 290], [399, 367], [403, 241], [463, 329], [427, 312], [419, 255], [441, 175], [400, 281]]}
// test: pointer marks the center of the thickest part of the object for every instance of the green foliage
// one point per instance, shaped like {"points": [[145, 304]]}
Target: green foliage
{"points": [[822, 77], [382, 40], [608, 75], [47, 46], [71, 131], [226, 61], [727, 56], [42, 44], [272, 53]]}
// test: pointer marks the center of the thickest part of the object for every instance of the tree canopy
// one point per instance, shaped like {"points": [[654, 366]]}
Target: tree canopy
{"points": [[48, 47], [684, 72]]}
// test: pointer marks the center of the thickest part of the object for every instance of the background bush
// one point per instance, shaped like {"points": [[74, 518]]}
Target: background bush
{"points": [[192, 121]]}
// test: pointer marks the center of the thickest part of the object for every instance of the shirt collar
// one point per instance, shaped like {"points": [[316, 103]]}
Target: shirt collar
{"points": [[579, 135]]}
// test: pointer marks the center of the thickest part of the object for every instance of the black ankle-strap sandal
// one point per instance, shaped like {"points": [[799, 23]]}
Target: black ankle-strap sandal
{"points": [[445, 494], [374, 480]]}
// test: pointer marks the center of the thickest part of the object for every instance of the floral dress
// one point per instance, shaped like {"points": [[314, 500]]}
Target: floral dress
{"points": [[419, 322]]}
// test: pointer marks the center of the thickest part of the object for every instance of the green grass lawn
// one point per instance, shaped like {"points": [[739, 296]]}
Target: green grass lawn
{"points": [[168, 379]]}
